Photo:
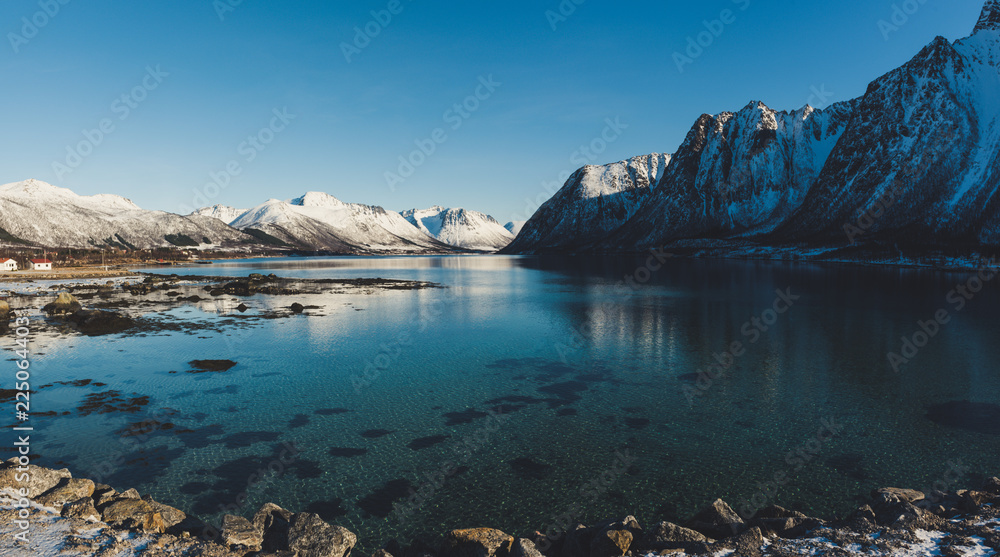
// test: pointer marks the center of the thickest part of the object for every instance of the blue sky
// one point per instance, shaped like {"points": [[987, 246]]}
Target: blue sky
{"points": [[200, 77]]}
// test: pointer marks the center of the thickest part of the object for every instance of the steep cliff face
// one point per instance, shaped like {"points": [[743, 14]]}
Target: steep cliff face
{"points": [[737, 174]]}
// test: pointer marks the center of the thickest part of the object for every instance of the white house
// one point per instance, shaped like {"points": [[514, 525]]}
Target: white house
{"points": [[8, 265], [41, 265]]}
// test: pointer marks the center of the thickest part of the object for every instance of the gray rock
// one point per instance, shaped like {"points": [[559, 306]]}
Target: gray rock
{"points": [[477, 542], [311, 537], [524, 548], [718, 521], [273, 522], [895, 494], [774, 511], [68, 490], [82, 509], [38, 482], [133, 514], [239, 532], [667, 535], [103, 494], [129, 494], [171, 516]]}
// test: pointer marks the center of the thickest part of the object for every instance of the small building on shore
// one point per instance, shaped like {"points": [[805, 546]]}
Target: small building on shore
{"points": [[41, 265], [8, 265]]}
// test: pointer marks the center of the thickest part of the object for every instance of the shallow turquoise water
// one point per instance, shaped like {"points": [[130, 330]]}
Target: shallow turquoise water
{"points": [[582, 373]]}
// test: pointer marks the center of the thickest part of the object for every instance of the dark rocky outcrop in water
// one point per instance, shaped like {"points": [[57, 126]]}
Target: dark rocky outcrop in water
{"points": [[99, 322], [961, 522]]}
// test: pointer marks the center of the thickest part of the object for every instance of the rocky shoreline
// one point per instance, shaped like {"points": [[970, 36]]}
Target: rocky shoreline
{"points": [[49, 512]]}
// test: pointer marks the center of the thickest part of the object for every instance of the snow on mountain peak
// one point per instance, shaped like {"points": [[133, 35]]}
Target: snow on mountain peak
{"points": [[319, 199], [990, 18], [460, 228]]}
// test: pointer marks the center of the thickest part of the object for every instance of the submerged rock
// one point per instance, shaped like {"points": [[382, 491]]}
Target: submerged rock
{"points": [[97, 322], [211, 366]]}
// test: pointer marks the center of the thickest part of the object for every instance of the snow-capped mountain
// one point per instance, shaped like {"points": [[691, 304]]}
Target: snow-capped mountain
{"points": [[514, 227], [739, 173], [224, 213], [320, 221], [43, 214], [914, 161], [461, 228], [595, 201]]}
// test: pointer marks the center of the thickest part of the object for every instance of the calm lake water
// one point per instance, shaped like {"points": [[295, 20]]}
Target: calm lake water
{"points": [[531, 388]]}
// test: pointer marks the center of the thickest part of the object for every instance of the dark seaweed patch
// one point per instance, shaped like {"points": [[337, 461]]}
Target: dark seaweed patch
{"points": [[567, 412], [527, 469], [210, 366], [346, 452], [298, 421], [637, 423], [978, 417], [376, 433], [247, 438], [464, 417], [111, 401], [379, 502], [331, 411], [227, 390], [144, 465], [425, 442], [201, 437]]}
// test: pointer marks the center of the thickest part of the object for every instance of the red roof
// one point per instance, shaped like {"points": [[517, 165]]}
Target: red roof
{"points": [[40, 261]]}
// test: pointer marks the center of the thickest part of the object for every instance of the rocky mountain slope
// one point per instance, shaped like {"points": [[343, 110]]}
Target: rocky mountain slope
{"points": [[224, 213], [460, 228], [320, 221], [39, 213], [914, 161]]}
